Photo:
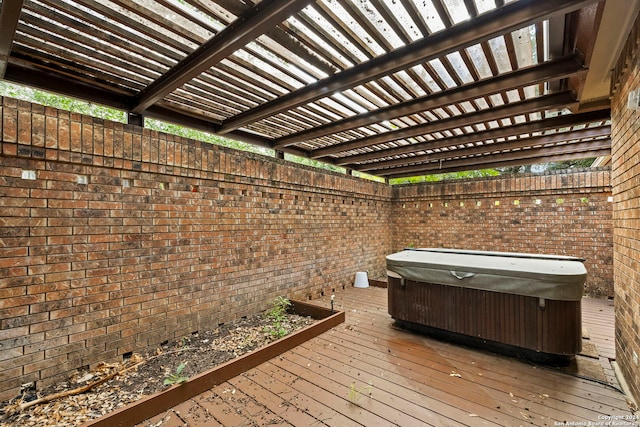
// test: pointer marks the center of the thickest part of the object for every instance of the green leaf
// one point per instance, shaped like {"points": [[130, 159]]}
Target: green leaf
{"points": [[180, 368]]}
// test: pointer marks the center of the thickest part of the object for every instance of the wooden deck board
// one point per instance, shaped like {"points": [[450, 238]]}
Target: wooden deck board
{"points": [[286, 383], [417, 398], [497, 380], [404, 378], [599, 320], [231, 407]]}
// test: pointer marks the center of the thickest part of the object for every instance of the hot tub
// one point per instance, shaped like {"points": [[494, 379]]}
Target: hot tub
{"points": [[521, 304]]}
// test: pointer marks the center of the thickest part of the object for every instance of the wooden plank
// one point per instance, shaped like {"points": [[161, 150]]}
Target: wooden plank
{"points": [[258, 386], [458, 400], [252, 23], [244, 406], [280, 384], [221, 406], [332, 394], [189, 413]]}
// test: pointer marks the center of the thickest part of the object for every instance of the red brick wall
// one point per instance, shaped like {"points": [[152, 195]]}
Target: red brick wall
{"points": [[567, 213], [625, 152], [166, 237], [169, 235]]}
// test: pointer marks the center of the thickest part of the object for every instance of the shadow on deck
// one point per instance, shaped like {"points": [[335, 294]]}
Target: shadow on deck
{"points": [[367, 372]]}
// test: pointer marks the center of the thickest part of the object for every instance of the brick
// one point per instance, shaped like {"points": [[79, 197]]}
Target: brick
{"points": [[68, 312], [12, 292], [13, 372], [57, 363], [21, 301], [10, 354], [9, 125], [49, 268], [21, 341], [6, 334]]}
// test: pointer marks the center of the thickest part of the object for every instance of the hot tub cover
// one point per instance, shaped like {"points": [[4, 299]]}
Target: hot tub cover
{"points": [[542, 276]]}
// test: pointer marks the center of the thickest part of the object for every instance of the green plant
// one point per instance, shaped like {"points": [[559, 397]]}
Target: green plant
{"points": [[277, 315], [276, 331], [279, 310], [354, 392], [176, 377]]}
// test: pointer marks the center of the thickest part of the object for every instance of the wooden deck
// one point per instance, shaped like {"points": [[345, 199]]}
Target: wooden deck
{"points": [[367, 372]]}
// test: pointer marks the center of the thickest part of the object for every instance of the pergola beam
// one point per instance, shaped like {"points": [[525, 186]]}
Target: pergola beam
{"points": [[247, 27], [53, 80], [510, 17], [549, 71], [9, 17]]}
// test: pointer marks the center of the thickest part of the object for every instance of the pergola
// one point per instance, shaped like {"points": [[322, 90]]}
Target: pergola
{"points": [[393, 88]]}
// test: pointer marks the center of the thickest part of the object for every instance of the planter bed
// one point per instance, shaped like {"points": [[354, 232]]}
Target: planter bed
{"points": [[150, 406]]}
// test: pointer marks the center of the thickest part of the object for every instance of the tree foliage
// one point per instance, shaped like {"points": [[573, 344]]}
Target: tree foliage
{"points": [[481, 173], [90, 109], [61, 102], [551, 166], [174, 129], [570, 164]]}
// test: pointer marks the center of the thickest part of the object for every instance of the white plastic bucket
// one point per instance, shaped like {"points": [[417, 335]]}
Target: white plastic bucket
{"points": [[361, 280]]}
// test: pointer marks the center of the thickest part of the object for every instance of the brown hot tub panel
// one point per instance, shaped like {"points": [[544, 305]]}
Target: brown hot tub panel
{"points": [[520, 304]]}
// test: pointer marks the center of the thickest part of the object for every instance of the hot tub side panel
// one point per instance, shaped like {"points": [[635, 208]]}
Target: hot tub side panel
{"points": [[508, 319]]}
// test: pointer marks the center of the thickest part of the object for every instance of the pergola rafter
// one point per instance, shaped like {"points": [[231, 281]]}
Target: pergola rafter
{"points": [[366, 86], [497, 147], [547, 102], [560, 122], [544, 72], [251, 24], [595, 148], [503, 20]]}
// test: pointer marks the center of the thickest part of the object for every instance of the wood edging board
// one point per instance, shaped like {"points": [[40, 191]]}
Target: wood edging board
{"points": [[151, 406]]}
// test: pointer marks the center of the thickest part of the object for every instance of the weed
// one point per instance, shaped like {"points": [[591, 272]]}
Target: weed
{"points": [[279, 310], [177, 377], [277, 314], [277, 332], [354, 392]]}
